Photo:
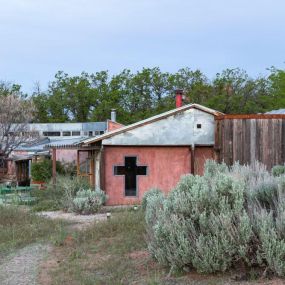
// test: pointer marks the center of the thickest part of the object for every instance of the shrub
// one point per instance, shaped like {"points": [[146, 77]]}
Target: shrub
{"points": [[278, 170], [88, 201], [229, 215], [148, 194], [59, 197], [47, 200], [42, 170], [69, 186]]}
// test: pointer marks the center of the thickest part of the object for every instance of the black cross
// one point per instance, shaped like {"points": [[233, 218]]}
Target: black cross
{"points": [[130, 170]]}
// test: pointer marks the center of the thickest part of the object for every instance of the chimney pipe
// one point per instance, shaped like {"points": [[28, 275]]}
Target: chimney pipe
{"points": [[113, 115], [178, 98]]}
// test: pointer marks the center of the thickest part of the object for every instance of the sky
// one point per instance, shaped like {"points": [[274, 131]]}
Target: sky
{"points": [[40, 37]]}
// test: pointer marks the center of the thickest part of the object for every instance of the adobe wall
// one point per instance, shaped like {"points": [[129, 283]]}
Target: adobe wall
{"points": [[165, 167]]}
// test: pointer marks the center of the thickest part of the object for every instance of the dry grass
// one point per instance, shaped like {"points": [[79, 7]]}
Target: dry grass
{"points": [[110, 252], [19, 227], [114, 252]]}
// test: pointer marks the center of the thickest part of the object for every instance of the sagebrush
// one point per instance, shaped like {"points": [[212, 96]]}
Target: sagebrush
{"points": [[88, 201], [229, 216]]}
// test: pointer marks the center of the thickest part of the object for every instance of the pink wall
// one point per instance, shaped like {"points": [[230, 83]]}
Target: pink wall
{"points": [[201, 155], [165, 167], [66, 155]]}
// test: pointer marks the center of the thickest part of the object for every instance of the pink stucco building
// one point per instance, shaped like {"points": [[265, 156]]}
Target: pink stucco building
{"points": [[129, 160]]}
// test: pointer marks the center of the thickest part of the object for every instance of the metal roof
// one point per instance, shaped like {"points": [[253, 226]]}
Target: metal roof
{"points": [[50, 127], [280, 111], [48, 142], [152, 119]]}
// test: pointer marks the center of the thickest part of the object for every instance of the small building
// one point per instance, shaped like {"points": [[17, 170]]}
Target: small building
{"points": [[17, 168], [155, 152]]}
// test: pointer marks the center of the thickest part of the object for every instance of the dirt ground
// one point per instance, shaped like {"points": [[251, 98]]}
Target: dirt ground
{"points": [[35, 264], [75, 221], [22, 267]]}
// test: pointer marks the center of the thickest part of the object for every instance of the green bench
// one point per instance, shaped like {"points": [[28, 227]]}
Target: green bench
{"points": [[18, 195]]}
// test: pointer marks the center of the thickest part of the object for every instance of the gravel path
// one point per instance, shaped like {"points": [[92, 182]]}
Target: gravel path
{"points": [[21, 267], [79, 221]]}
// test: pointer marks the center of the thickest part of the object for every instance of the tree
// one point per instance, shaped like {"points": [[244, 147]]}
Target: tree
{"points": [[277, 87], [15, 114]]}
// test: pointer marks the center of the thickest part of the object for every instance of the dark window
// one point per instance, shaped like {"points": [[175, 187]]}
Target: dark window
{"points": [[66, 134], [76, 133], [199, 126], [130, 170], [101, 132], [51, 134], [90, 133]]}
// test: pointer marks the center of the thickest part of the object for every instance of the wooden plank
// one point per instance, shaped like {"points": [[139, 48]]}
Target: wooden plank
{"points": [[283, 142], [230, 142], [246, 150], [258, 141], [252, 141]]}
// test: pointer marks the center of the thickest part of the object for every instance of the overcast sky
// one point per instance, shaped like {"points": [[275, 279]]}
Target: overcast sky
{"points": [[40, 37]]}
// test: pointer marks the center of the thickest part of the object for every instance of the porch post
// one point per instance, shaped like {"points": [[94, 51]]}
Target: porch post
{"points": [[54, 166], [92, 169], [78, 162], [97, 169]]}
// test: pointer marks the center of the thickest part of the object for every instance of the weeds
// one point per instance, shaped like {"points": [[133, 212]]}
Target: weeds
{"points": [[19, 227]]}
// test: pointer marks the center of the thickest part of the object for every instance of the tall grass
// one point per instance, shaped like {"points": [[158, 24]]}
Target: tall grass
{"points": [[101, 254], [19, 227]]}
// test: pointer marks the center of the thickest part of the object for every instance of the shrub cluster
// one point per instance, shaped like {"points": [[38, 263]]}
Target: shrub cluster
{"points": [[229, 216], [71, 194], [88, 201], [278, 170], [42, 170]]}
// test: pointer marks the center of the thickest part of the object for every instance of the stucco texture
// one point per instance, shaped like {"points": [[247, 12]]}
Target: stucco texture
{"points": [[165, 165]]}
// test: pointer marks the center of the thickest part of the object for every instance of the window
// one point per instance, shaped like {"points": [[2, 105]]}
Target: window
{"points": [[90, 133], [97, 133], [199, 126], [66, 134], [51, 134], [101, 132], [130, 170], [76, 133]]}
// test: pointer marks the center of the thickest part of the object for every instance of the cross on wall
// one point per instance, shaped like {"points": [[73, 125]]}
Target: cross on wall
{"points": [[130, 170]]}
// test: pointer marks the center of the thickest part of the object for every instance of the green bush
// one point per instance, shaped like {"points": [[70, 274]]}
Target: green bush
{"points": [[47, 199], [278, 170], [88, 201], [58, 197], [148, 194], [229, 215], [42, 170]]}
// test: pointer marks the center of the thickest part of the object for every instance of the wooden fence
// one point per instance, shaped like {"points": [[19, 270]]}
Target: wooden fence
{"points": [[249, 138]]}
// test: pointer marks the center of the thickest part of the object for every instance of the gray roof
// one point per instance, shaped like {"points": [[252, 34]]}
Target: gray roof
{"points": [[280, 111], [48, 142], [51, 127]]}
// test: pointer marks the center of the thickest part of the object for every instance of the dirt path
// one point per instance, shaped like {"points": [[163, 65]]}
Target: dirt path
{"points": [[22, 267], [76, 222]]}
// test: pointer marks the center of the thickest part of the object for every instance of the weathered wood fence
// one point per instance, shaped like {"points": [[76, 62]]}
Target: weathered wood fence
{"points": [[249, 138]]}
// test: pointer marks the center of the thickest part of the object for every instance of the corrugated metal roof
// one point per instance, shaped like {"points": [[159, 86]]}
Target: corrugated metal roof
{"points": [[41, 146], [152, 119], [280, 111]]}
